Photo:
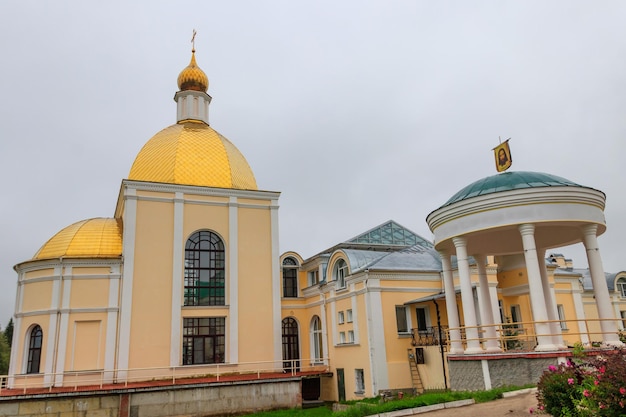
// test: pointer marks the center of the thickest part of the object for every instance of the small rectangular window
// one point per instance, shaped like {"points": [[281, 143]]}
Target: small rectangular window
{"points": [[621, 286], [340, 317], [314, 277], [350, 336], [401, 320], [561, 311], [359, 381], [342, 337], [623, 316], [349, 315]]}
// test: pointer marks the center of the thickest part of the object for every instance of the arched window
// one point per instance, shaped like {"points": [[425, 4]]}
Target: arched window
{"points": [[621, 287], [291, 344], [340, 273], [204, 270], [316, 338], [290, 277], [34, 350]]}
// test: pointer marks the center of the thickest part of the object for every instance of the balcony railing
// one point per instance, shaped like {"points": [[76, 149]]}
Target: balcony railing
{"points": [[177, 375], [430, 336], [521, 336]]}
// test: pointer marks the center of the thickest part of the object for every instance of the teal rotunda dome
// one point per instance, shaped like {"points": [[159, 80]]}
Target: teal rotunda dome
{"points": [[508, 181]]}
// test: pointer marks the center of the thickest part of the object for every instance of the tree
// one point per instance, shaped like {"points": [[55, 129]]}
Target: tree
{"points": [[5, 354], [8, 332]]}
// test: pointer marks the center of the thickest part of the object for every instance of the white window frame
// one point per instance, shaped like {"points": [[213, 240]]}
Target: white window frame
{"points": [[349, 315], [340, 273], [561, 312], [407, 319], [359, 381], [350, 336], [340, 317], [314, 277], [342, 337], [621, 287]]}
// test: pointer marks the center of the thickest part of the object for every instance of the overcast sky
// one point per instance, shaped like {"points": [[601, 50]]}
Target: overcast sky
{"points": [[357, 111]]}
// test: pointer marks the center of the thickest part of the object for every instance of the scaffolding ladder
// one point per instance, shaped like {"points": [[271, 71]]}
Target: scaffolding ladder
{"points": [[416, 379]]}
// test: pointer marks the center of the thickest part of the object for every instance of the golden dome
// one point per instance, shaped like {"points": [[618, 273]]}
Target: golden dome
{"points": [[192, 153], [192, 77], [91, 238]]}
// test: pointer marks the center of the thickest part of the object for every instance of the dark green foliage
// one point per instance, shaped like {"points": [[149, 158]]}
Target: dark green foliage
{"points": [[8, 332]]}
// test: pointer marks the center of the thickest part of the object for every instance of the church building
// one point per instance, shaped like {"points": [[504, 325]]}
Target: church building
{"points": [[186, 278]]}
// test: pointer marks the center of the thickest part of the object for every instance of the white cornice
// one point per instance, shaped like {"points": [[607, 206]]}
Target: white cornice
{"points": [[521, 197], [36, 265]]}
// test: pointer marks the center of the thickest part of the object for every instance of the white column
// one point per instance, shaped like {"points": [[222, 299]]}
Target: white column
{"points": [[469, 312], [456, 346], [548, 292], [485, 306], [276, 308], [537, 299], [600, 289], [233, 280]]}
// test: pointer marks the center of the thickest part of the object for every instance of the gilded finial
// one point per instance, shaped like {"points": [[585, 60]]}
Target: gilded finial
{"points": [[192, 77]]}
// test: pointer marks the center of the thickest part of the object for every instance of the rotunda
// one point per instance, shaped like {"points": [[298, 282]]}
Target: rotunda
{"points": [[519, 213]]}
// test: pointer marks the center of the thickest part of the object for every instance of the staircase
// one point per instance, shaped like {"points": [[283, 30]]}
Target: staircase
{"points": [[416, 379]]}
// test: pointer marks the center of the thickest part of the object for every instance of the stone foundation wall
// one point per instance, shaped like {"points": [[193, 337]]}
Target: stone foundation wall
{"points": [[197, 401], [492, 371]]}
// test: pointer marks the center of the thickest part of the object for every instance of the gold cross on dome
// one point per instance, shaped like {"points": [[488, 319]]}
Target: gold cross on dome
{"points": [[193, 41]]}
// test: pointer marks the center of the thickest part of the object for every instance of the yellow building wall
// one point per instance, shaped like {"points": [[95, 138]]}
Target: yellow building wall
{"points": [[47, 272], [150, 329], [86, 341], [89, 293], [256, 324], [37, 295]]}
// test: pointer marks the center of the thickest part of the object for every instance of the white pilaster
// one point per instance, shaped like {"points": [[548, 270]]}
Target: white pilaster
{"points": [[537, 296], [467, 297], [111, 329], [63, 327], [128, 253], [192, 105], [580, 313], [355, 317], [178, 254], [324, 328], [600, 289], [233, 280], [52, 337], [278, 352], [456, 346], [484, 302], [18, 338], [376, 340]]}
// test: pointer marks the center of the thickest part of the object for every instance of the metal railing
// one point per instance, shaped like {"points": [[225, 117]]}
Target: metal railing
{"points": [[122, 378], [521, 336], [429, 336]]}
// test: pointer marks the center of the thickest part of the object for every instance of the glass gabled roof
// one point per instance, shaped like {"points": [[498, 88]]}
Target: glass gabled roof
{"points": [[390, 233]]}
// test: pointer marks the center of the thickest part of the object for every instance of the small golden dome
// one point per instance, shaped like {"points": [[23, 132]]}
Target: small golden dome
{"points": [[91, 238], [192, 153], [192, 77]]}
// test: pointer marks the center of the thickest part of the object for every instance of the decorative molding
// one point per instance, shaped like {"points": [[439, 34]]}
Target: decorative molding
{"points": [[197, 190]]}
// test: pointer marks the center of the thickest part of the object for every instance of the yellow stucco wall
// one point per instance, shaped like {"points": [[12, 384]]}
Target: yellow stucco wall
{"points": [[37, 295], [89, 293], [152, 285]]}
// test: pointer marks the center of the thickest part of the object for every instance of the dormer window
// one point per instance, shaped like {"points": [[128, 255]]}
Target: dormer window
{"points": [[340, 273], [621, 287]]}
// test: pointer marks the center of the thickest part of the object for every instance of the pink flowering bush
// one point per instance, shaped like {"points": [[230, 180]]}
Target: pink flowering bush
{"points": [[586, 386]]}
